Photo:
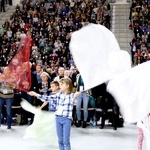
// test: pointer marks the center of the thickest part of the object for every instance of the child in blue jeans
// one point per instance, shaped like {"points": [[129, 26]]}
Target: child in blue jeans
{"points": [[64, 104]]}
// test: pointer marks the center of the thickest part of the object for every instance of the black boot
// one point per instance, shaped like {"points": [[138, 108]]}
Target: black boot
{"points": [[102, 123], [24, 117], [84, 124], [115, 128], [78, 124], [101, 126], [23, 123], [24, 120]]}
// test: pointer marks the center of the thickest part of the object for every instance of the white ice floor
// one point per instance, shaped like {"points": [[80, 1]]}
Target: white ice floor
{"points": [[91, 138]]}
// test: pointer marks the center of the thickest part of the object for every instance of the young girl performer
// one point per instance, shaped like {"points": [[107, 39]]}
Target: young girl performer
{"points": [[64, 105]]}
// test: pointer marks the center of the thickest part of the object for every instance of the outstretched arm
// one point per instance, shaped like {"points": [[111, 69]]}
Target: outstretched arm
{"points": [[43, 97], [32, 93]]}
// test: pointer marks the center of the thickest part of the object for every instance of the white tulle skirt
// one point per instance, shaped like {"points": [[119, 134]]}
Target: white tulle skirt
{"points": [[43, 127]]}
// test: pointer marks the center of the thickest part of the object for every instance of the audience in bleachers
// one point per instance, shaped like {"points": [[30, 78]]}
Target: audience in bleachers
{"points": [[140, 24], [50, 23]]}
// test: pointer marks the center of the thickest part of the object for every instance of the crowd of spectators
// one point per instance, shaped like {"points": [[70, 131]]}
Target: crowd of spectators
{"points": [[50, 24], [140, 25]]}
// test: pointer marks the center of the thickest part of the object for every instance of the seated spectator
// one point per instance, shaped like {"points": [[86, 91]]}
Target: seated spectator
{"points": [[38, 72], [6, 25], [48, 49], [60, 74], [22, 34], [147, 55], [9, 33], [44, 87], [58, 45], [42, 43]]}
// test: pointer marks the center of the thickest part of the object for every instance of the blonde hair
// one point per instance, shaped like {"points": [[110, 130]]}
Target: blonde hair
{"points": [[44, 73], [67, 81]]}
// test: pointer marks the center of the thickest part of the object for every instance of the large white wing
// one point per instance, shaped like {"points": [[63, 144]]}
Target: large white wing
{"points": [[99, 59], [131, 90], [91, 47]]}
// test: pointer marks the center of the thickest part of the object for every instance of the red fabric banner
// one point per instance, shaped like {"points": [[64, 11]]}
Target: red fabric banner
{"points": [[20, 65]]}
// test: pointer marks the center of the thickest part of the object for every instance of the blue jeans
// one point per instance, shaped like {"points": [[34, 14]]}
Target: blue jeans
{"points": [[9, 102], [63, 127], [85, 98]]}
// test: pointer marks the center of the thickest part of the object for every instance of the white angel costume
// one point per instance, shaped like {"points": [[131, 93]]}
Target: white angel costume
{"points": [[99, 59], [43, 127]]}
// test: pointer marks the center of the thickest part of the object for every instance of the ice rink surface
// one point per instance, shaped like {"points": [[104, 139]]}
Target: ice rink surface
{"points": [[90, 138]]}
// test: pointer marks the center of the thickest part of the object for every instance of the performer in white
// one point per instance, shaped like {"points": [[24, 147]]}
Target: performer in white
{"points": [[99, 59]]}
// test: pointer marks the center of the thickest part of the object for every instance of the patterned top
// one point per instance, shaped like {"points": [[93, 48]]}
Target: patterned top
{"points": [[6, 90], [44, 87], [64, 103], [52, 104]]}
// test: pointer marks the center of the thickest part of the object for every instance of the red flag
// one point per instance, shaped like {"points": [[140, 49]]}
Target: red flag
{"points": [[20, 65]]}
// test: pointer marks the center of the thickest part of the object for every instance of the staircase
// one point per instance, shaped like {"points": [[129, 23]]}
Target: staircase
{"points": [[120, 23], [6, 15]]}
